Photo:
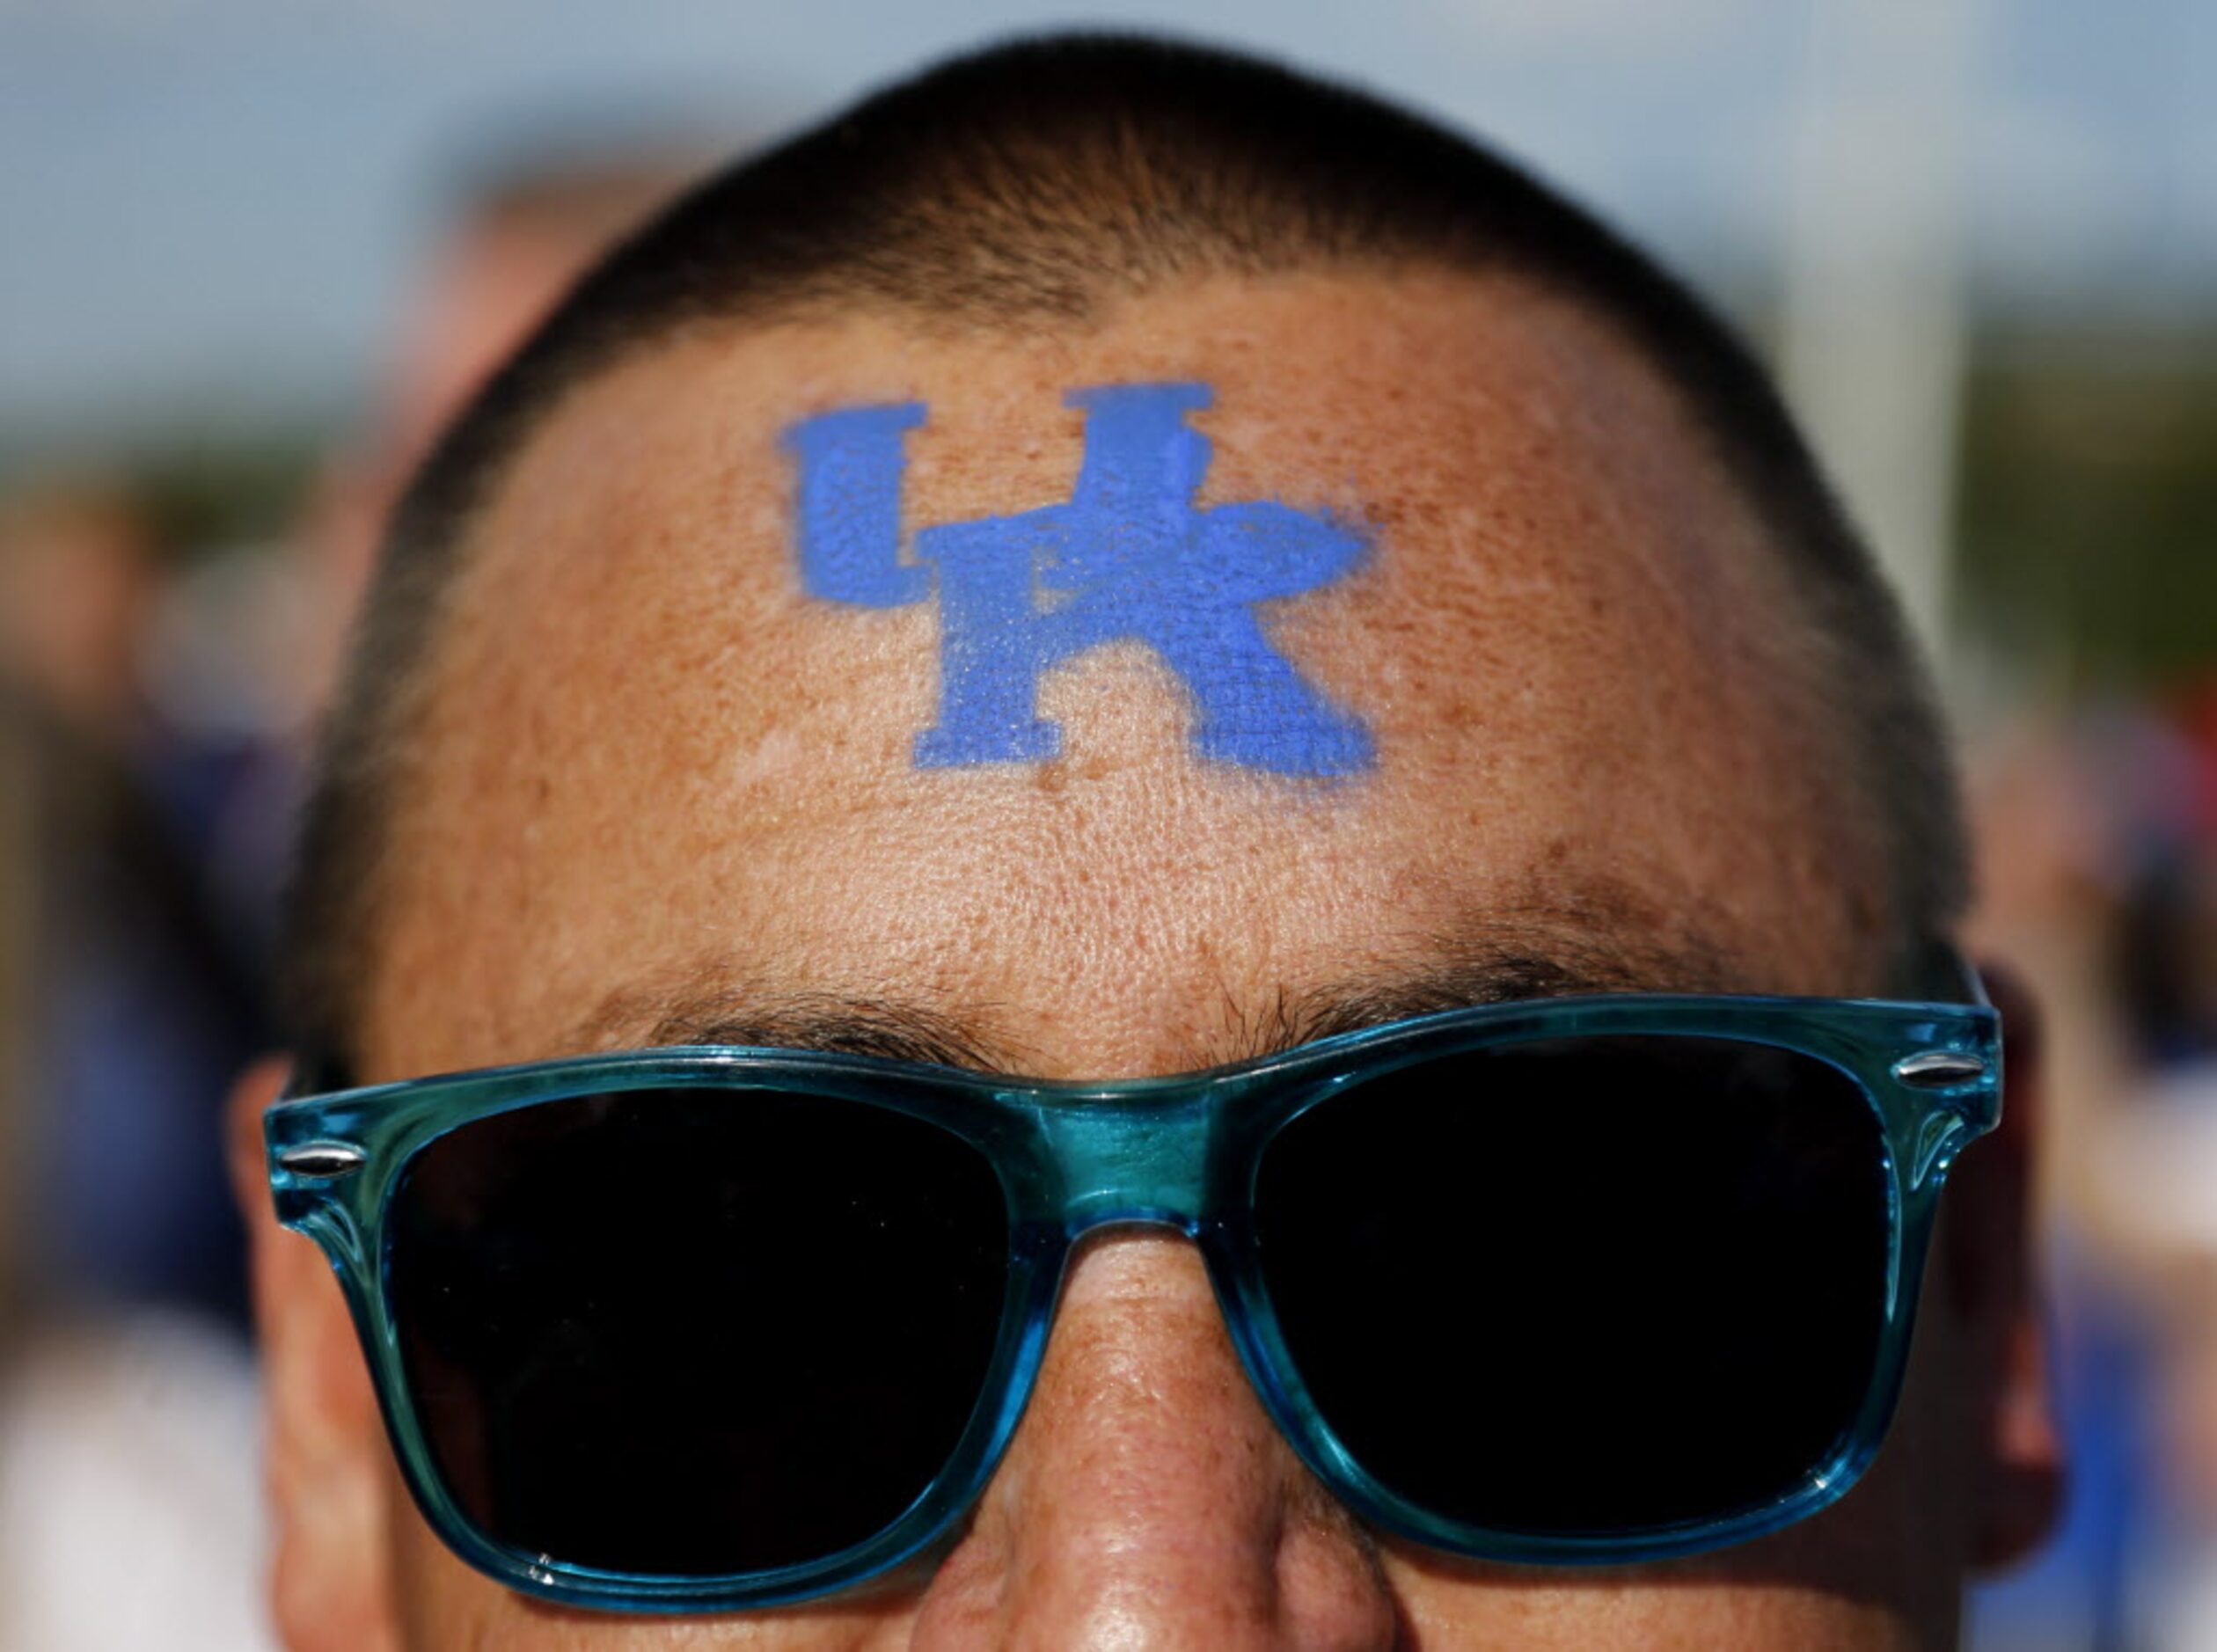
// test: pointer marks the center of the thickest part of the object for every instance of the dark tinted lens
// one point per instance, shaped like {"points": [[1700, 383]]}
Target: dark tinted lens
{"points": [[1584, 1284], [688, 1332]]}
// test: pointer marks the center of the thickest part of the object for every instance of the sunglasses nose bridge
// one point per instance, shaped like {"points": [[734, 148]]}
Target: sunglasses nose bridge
{"points": [[1130, 1162]]}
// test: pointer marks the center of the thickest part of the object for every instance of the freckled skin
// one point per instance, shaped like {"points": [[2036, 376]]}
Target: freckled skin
{"points": [[647, 756]]}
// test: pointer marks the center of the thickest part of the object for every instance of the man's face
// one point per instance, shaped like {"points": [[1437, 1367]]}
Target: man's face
{"points": [[664, 787]]}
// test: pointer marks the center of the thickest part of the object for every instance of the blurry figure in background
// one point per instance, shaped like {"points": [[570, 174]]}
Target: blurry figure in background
{"points": [[143, 993], [127, 1383], [2153, 1151], [140, 877], [2098, 831]]}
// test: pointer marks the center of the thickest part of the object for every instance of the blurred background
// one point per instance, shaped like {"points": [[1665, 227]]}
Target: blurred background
{"points": [[252, 253]]}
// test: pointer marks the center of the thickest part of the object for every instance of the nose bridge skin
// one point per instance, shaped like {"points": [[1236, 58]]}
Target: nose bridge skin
{"points": [[1147, 1500]]}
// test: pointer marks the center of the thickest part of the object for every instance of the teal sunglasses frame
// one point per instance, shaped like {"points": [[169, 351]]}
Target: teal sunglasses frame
{"points": [[1181, 1154]]}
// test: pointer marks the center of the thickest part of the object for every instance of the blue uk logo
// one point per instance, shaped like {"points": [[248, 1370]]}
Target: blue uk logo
{"points": [[1129, 556]]}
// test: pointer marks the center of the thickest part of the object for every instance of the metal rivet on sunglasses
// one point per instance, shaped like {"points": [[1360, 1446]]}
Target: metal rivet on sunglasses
{"points": [[323, 1160], [1937, 1069]]}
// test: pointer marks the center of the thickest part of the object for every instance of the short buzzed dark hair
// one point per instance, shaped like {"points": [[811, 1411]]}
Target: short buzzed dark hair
{"points": [[1023, 188]]}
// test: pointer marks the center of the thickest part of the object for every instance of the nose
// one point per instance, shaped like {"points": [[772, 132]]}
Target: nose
{"points": [[1147, 1501]]}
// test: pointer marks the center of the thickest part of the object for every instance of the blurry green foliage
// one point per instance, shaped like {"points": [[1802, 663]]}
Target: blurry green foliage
{"points": [[2088, 508], [202, 498], [198, 493]]}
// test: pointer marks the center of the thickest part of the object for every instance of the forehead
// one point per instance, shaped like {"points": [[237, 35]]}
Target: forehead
{"points": [[653, 756]]}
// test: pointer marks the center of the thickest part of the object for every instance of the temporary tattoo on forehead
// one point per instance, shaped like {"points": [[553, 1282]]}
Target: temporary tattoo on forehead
{"points": [[1128, 557]]}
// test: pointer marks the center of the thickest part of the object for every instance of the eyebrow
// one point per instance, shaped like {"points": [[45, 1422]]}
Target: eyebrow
{"points": [[1500, 958], [1488, 965], [834, 1023]]}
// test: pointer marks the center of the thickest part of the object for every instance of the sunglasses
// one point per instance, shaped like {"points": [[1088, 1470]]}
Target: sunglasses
{"points": [[1594, 1279]]}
